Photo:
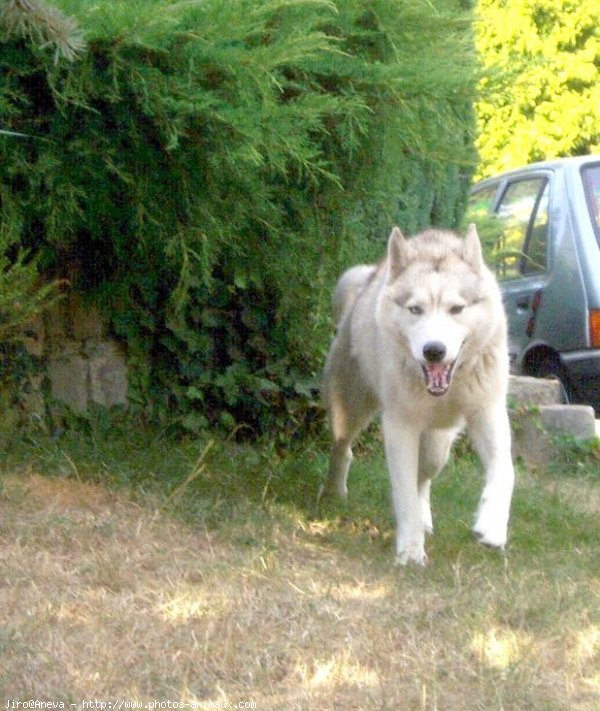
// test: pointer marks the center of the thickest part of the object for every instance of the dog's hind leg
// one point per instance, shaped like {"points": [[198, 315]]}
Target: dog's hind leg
{"points": [[340, 459], [347, 421]]}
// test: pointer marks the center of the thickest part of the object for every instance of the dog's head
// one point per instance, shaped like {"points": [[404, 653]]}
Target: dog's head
{"points": [[436, 300]]}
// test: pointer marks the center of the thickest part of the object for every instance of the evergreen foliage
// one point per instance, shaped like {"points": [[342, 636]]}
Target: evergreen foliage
{"points": [[23, 295], [42, 24], [541, 88], [207, 168]]}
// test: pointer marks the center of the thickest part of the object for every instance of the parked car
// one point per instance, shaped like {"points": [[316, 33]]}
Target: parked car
{"points": [[540, 226]]}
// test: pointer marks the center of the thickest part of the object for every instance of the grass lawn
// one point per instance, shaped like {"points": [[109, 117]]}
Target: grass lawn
{"points": [[135, 569]]}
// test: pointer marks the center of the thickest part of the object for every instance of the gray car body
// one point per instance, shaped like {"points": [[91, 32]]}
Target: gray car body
{"points": [[557, 341]]}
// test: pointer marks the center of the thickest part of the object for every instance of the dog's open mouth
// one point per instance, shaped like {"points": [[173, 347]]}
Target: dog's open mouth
{"points": [[438, 377]]}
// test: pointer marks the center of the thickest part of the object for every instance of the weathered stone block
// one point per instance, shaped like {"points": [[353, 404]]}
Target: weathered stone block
{"points": [[83, 365], [68, 375], [525, 391], [535, 431], [107, 374], [575, 420]]}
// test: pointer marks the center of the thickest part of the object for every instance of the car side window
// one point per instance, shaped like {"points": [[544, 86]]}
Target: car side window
{"points": [[534, 257], [590, 175], [523, 228], [515, 234], [480, 211]]}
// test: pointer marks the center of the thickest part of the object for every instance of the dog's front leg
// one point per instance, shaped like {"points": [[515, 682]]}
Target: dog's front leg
{"points": [[402, 454], [490, 433]]}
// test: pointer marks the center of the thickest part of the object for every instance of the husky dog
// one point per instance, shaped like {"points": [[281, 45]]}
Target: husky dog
{"points": [[422, 339]]}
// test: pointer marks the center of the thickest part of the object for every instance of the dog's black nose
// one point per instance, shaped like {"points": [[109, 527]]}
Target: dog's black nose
{"points": [[434, 352]]}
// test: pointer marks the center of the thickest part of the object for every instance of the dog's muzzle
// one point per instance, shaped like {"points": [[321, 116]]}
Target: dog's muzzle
{"points": [[438, 375]]}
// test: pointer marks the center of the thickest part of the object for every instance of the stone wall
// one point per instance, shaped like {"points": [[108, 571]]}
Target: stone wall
{"points": [[539, 419], [83, 364]]}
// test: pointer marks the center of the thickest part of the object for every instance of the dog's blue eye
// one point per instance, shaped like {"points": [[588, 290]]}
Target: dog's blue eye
{"points": [[456, 309], [415, 310]]}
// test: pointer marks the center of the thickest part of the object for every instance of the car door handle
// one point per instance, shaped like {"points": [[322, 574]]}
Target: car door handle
{"points": [[522, 303]]}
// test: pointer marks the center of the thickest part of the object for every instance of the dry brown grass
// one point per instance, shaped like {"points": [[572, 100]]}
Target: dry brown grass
{"points": [[104, 598]]}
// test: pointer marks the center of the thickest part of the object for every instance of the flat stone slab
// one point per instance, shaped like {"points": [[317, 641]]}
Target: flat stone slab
{"points": [[575, 420], [525, 391], [535, 431]]}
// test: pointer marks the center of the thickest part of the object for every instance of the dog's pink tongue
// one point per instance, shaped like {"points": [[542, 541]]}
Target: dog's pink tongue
{"points": [[437, 378]]}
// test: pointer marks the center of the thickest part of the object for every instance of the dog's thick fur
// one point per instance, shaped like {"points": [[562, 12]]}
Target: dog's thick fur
{"points": [[422, 339]]}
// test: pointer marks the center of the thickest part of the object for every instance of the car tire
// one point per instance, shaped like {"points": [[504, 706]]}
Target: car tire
{"points": [[553, 368]]}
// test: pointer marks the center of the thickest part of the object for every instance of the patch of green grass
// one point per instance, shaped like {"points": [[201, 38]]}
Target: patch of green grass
{"points": [[226, 564], [212, 482]]}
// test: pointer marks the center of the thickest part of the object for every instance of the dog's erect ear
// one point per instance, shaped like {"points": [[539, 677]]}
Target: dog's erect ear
{"points": [[396, 254], [472, 248]]}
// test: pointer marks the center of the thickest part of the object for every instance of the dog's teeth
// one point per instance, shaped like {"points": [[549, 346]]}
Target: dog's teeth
{"points": [[437, 377]]}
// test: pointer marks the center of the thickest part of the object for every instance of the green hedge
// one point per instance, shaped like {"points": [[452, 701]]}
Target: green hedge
{"points": [[206, 169]]}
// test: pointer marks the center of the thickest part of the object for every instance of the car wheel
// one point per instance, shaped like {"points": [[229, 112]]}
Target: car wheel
{"points": [[553, 368]]}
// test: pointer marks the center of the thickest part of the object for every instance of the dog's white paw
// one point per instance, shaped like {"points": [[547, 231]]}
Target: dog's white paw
{"points": [[412, 555], [491, 522], [493, 540], [491, 529]]}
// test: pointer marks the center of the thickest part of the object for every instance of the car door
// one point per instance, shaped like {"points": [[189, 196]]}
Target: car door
{"points": [[514, 231]]}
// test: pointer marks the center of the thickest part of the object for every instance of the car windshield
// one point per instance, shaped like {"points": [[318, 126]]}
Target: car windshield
{"points": [[590, 175]]}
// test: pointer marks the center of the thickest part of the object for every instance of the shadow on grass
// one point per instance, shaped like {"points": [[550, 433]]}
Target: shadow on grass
{"points": [[217, 484]]}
